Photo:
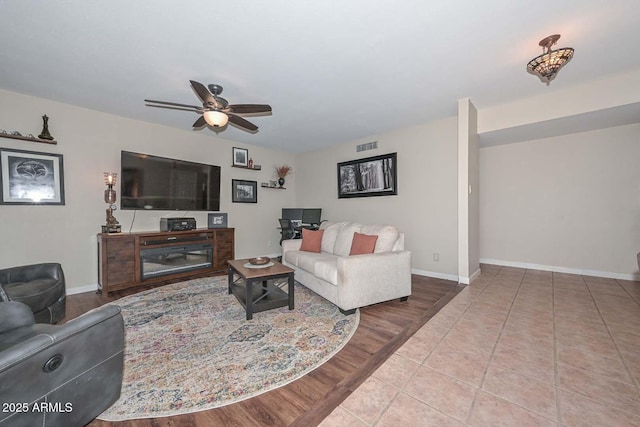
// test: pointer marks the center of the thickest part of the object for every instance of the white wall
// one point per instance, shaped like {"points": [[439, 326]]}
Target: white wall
{"points": [[468, 192], [596, 95], [569, 203], [425, 208], [91, 142]]}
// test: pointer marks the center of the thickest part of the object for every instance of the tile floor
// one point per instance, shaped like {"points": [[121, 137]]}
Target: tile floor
{"points": [[516, 348]]}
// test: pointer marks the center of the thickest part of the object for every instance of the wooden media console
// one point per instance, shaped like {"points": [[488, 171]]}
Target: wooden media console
{"points": [[127, 260]]}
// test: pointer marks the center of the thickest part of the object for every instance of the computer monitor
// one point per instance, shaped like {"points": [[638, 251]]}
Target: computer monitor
{"points": [[311, 216], [293, 214]]}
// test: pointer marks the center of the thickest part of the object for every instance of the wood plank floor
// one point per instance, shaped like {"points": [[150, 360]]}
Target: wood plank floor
{"points": [[307, 401]]}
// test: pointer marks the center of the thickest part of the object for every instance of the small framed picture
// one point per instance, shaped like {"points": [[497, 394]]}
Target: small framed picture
{"points": [[217, 220], [30, 178], [240, 157], [244, 191]]}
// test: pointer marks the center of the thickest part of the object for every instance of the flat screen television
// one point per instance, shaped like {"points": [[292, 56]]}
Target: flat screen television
{"points": [[160, 183]]}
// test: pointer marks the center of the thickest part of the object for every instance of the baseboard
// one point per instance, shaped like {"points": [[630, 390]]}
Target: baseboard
{"points": [[435, 275], [558, 269], [82, 289], [475, 275]]}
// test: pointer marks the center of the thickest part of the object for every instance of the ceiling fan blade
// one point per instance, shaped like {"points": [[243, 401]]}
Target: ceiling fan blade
{"points": [[250, 108], [203, 93], [192, 110], [171, 103], [242, 123], [200, 122]]}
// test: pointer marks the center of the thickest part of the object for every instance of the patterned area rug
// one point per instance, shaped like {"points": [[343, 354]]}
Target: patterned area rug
{"points": [[189, 347]]}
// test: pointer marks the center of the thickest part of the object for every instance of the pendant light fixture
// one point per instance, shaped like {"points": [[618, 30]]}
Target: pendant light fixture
{"points": [[547, 65]]}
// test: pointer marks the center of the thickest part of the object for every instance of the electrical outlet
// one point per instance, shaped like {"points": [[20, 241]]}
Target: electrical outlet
{"points": [[436, 256], [269, 243]]}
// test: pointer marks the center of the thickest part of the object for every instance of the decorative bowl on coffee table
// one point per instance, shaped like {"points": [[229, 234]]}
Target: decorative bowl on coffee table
{"points": [[261, 260]]}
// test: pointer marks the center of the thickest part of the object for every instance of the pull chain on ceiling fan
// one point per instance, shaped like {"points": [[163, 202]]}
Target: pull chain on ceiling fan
{"points": [[215, 110]]}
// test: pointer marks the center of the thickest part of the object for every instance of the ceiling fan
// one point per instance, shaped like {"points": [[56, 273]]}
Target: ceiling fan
{"points": [[216, 110]]}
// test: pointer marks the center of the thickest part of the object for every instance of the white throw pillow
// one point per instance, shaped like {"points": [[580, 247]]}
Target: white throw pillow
{"points": [[387, 236], [345, 237]]}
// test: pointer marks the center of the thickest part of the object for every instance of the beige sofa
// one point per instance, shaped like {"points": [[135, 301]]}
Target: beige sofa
{"points": [[352, 281]]}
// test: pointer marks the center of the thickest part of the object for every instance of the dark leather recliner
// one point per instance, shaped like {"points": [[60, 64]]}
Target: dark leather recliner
{"points": [[59, 375], [40, 286]]}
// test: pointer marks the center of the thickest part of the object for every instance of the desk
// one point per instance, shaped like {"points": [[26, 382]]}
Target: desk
{"points": [[298, 230]]}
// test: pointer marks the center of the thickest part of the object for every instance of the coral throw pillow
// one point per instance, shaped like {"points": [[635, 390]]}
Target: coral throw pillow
{"points": [[311, 240], [362, 244]]}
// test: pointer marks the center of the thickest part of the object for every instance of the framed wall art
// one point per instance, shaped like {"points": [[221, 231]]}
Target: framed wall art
{"points": [[240, 157], [217, 220], [371, 176], [31, 178], [244, 191]]}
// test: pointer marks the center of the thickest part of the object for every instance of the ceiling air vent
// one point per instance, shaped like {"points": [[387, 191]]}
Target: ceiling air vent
{"points": [[367, 146]]}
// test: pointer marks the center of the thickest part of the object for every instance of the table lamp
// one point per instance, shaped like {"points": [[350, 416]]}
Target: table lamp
{"points": [[112, 225]]}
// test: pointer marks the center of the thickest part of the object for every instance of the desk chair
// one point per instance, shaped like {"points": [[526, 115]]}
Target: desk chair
{"points": [[286, 230]]}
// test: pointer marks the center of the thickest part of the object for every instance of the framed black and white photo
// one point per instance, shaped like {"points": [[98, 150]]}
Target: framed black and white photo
{"points": [[240, 157], [371, 176], [31, 178], [217, 220], [244, 191]]}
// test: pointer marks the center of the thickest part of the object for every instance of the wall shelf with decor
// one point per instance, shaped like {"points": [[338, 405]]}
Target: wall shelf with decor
{"points": [[255, 168], [273, 188], [28, 138]]}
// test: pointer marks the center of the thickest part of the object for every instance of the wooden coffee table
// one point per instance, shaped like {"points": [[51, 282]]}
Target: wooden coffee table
{"points": [[256, 288]]}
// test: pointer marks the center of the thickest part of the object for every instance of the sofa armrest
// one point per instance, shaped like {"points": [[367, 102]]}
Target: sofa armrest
{"points": [[95, 318], [290, 245], [104, 324], [371, 278]]}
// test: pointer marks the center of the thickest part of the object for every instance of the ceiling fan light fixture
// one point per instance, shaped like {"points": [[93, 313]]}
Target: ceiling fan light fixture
{"points": [[547, 65], [214, 118], [215, 111]]}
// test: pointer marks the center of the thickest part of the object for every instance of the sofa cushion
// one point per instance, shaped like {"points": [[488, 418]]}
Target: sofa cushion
{"points": [[345, 237], [331, 230], [363, 244], [387, 236], [311, 240], [327, 269], [307, 260], [292, 257]]}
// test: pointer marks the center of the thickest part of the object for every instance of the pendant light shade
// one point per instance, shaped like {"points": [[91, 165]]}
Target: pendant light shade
{"points": [[547, 65]]}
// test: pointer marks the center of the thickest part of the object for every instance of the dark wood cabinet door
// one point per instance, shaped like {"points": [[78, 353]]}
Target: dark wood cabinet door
{"points": [[118, 260], [223, 247]]}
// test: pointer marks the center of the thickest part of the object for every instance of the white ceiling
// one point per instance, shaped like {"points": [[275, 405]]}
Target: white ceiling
{"points": [[333, 71]]}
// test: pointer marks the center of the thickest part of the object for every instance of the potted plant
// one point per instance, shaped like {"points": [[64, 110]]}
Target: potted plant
{"points": [[282, 171]]}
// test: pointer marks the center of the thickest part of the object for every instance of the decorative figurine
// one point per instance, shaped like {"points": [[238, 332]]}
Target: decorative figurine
{"points": [[111, 220], [45, 129]]}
